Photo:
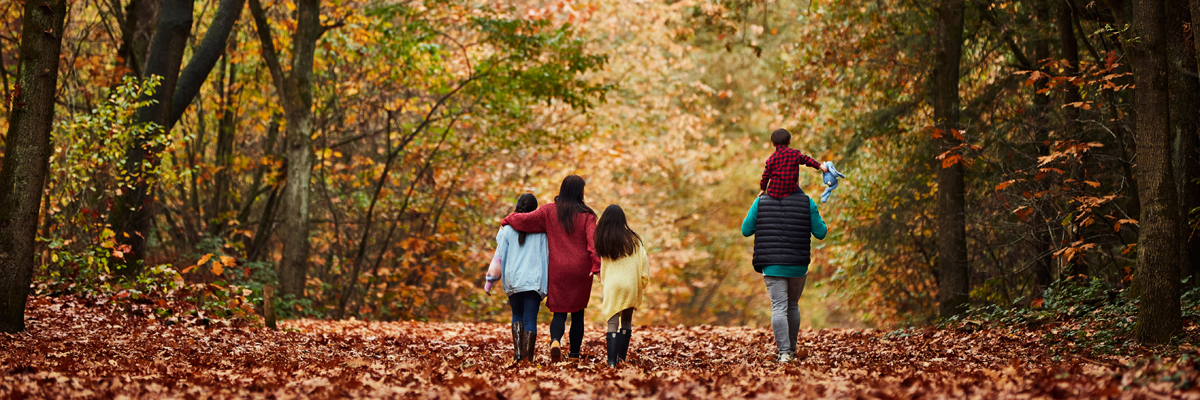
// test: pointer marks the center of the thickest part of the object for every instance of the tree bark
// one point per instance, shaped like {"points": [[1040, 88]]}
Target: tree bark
{"points": [[295, 91], [954, 283], [1043, 242], [225, 140], [1190, 158], [27, 154], [137, 30], [132, 212], [1183, 88], [204, 58], [1156, 280]]}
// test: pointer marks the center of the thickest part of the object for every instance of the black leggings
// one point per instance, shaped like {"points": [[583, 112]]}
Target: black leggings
{"points": [[559, 324]]}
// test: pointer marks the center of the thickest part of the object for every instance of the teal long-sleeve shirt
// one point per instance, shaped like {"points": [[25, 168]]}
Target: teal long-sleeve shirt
{"points": [[749, 226]]}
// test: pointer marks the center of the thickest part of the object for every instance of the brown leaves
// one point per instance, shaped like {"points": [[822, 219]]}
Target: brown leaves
{"points": [[94, 348]]}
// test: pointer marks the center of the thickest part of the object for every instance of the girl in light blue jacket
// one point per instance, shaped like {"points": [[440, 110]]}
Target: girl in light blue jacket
{"points": [[521, 262]]}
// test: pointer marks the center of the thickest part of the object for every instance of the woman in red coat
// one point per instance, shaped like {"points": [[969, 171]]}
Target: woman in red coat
{"points": [[570, 227]]}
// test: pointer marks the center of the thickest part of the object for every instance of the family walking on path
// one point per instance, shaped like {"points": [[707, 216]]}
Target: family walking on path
{"points": [[552, 252]]}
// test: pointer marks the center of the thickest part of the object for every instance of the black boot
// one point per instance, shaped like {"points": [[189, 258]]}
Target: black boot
{"points": [[529, 345], [613, 340], [518, 330], [623, 337]]}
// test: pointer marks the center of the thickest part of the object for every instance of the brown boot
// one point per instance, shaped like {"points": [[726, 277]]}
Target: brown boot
{"points": [[529, 342], [555, 351]]}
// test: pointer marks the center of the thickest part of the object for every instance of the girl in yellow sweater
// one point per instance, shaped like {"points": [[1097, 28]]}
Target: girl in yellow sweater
{"points": [[624, 272]]}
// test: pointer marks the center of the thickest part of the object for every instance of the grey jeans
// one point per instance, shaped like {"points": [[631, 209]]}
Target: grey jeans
{"points": [[785, 310]]}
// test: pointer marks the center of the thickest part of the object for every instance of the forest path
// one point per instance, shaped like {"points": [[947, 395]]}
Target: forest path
{"points": [[95, 348]]}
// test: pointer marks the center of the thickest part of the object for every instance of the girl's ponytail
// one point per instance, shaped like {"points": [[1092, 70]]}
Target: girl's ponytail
{"points": [[525, 203]]}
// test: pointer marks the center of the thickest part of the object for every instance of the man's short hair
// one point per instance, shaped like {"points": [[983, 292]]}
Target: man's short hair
{"points": [[781, 137]]}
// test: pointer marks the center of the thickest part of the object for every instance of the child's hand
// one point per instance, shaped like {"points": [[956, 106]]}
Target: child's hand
{"points": [[824, 168], [759, 193]]}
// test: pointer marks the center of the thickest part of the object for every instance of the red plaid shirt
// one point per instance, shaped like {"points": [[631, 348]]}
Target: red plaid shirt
{"points": [[783, 170]]}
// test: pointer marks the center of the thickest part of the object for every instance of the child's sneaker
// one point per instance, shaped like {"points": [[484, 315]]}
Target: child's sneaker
{"points": [[785, 358]]}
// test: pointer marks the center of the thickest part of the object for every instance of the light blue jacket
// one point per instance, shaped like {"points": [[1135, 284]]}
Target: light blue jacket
{"points": [[523, 267]]}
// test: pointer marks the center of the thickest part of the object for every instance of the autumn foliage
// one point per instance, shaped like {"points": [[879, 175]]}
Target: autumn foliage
{"points": [[103, 347]]}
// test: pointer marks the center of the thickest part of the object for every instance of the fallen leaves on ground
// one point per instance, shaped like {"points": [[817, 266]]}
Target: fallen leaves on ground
{"points": [[93, 347]]}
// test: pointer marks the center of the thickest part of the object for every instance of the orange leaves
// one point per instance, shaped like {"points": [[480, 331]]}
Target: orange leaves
{"points": [[1005, 184], [953, 156], [86, 342], [1117, 226], [949, 160], [1071, 251], [1023, 212], [937, 133], [218, 265], [1086, 105]]}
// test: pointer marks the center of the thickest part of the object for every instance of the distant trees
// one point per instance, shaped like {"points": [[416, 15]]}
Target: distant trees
{"points": [[294, 90], [133, 213]]}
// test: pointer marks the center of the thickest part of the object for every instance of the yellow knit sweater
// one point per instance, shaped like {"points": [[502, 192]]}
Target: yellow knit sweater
{"points": [[624, 281]]}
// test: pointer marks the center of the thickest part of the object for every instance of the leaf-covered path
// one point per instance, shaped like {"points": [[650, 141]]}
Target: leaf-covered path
{"points": [[96, 348]]}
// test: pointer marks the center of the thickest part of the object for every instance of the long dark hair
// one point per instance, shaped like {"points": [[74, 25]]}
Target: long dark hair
{"points": [[525, 203], [570, 201], [614, 239]]}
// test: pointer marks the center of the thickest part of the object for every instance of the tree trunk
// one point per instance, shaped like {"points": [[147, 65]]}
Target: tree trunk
{"points": [[954, 285], [295, 91], [1071, 124], [1043, 242], [134, 209], [1183, 87], [132, 212], [27, 155], [1157, 278], [204, 58], [225, 141], [1070, 53], [137, 30], [1191, 162]]}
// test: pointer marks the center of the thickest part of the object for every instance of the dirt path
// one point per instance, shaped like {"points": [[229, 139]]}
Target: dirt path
{"points": [[77, 347]]}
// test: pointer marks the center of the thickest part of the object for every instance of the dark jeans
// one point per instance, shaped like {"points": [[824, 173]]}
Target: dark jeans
{"points": [[559, 324], [525, 307]]}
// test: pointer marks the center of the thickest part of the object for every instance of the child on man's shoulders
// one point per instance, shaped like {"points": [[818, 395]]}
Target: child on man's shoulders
{"points": [[782, 170]]}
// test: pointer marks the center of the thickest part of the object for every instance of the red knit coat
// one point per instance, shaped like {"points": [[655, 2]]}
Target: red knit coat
{"points": [[573, 257]]}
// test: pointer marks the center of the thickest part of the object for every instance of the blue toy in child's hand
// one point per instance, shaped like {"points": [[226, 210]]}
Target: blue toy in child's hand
{"points": [[831, 179]]}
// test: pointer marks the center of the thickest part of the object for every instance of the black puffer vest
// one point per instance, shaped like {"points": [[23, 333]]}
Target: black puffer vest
{"points": [[783, 231]]}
